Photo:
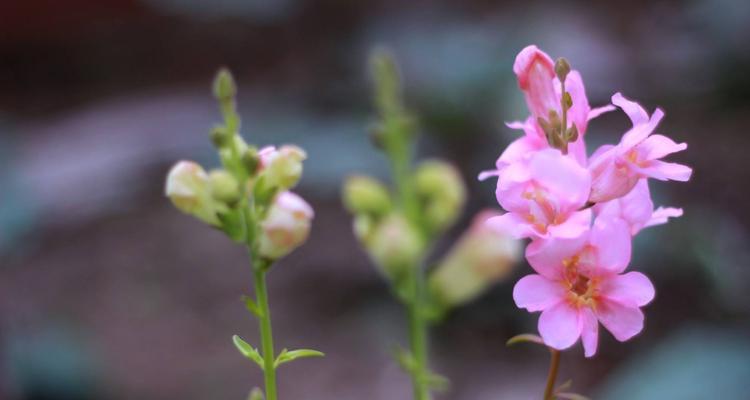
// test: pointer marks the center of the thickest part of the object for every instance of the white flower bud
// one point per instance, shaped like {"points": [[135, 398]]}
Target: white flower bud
{"points": [[282, 167], [286, 226], [189, 188], [394, 245], [481, 257]]}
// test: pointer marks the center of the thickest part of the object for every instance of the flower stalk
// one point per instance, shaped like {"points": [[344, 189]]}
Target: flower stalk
{"points": [[249, 200]]}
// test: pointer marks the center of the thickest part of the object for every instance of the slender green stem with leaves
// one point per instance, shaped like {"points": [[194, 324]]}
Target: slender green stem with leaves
{"points": [[249, 200]]}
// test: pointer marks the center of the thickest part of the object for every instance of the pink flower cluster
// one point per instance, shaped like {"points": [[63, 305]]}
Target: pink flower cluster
{"points": [[579, 212]]}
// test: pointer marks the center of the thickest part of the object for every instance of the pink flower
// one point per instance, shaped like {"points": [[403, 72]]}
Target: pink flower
{"points": [[543, 195], [535, 71], [636, 209], [543, 91], [616, 169], [580, 283]]}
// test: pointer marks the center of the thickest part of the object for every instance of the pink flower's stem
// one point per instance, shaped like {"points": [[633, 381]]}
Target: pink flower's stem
{"points": [[554, 366]]}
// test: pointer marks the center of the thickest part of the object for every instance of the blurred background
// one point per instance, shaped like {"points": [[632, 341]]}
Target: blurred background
{"points": [[108, 292]]}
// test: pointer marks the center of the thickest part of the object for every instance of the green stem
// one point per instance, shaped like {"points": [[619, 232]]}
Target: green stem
{"points": [[554, 366], [418, 338], [266, 337]]}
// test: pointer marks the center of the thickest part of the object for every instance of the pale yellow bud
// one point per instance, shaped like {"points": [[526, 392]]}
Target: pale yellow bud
{"points": [[189, 188], [443, 192], [224, 187], [286, 226], [395, 245], [365, 195], [480, 258]]}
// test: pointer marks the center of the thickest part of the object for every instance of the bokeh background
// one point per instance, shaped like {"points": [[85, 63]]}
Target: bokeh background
{"points": [[108, 292]]}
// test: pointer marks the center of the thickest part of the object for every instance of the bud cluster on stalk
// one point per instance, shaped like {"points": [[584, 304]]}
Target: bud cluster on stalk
{"points": [[398, 225], [249, 197]]}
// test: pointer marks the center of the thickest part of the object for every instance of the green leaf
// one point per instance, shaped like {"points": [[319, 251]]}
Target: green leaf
{"points": [[405, 359], [571, 396], [287, 356], [252, 307], [256, 394], [525, 338], [247, 350], [565, 385], [437, 382]]}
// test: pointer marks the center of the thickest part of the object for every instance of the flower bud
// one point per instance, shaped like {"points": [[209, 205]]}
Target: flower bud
{"points": [[365, 195], [562, 69], [220, 137], [282, 167], [395, 245], [224, 187], [443, 192], [189, 188], [481, 257], [286, 226], [224, 87]]}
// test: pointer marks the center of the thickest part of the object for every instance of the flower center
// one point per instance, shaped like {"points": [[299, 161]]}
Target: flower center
{"points": [[582, 289], [543, 210]]}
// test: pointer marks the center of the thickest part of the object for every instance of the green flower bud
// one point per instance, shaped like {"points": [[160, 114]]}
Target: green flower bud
{"points": [[224, 87], [251, 160], [480, 258], [364, 225], [282, 168], [224, 187], [395, 245], [286, 226], [442, 191], [562, 69], [189, 188], [220, 137], [365, 195]]}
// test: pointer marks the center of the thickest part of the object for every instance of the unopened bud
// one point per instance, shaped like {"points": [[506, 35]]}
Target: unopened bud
{"points": [[480, 258], [220, 137], [567, 100], [395, 245], [286, 227], [189, 188], [363, 227], [443, 192], [224, 87], [224, 187], [572, 134], [283, 167], [251, 160], [365, 195], [562, 69], [255, 394]]}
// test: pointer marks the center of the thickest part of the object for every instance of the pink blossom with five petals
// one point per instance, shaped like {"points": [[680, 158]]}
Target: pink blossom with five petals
{"points": [[543, 196], [615, 170], [580, 282]]}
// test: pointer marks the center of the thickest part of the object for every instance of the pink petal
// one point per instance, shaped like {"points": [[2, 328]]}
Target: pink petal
{"points": [[632, 289], [484, 175], [596, 112], [579, 111], [640, 132], [609, 181], [589, 332], [536, 293], [622, 321], [567, 181], [520, 149], [611, 239], [664, 171], [546, 256], [574, 226], [510, 224], [560, 326], [634, 110], [662, 214], [658, 146], [535, 72]]}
